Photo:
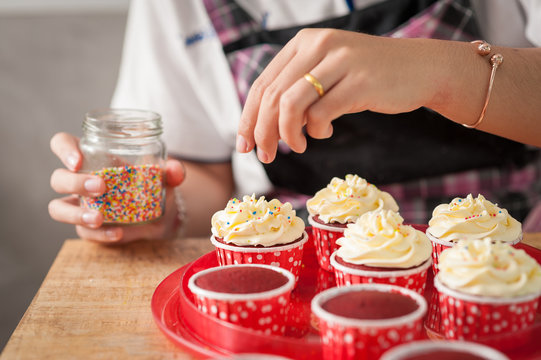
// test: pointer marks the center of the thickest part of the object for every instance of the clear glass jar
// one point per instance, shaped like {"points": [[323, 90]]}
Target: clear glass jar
{"points": [[124, 147]]}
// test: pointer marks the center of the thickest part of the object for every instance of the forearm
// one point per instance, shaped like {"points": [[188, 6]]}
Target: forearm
{"points": [[515, 103], [206, 189]]}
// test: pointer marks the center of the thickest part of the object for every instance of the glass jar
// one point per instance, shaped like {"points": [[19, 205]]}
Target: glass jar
{"points": [[124, 148]]}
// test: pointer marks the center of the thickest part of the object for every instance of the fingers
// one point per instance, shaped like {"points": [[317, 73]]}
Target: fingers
{"points": [[175, 172], [159, 229], [278, 103], [66, 182], [67, 210], [66, 147], [103, 235], [332, 105], [248, 119], [266, 131], [295, 102]]}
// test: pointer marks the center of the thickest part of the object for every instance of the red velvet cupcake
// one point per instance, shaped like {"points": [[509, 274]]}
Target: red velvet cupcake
{"points": [[379, 248], [363, 321], [487, 289], [443, 350], [342, 202], [256, 231], [470, 218], [253, 296]]}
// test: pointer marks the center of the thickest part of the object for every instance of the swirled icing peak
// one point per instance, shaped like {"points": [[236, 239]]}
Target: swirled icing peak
{"points": [[344, 200], [379, 238], [482, 267], [253, 222], [473, 218]]}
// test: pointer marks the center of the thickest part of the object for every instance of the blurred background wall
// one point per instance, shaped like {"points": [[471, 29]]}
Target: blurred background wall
{"points": [[58, 59]]}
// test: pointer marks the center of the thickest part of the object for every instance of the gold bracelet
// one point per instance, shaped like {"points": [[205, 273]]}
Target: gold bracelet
{"points": [[496, 60]]}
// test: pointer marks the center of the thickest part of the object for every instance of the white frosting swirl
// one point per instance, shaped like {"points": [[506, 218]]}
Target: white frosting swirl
{"points": [[473, 218], [481, 267], [343, 201], [253, 222], [379, 238]]}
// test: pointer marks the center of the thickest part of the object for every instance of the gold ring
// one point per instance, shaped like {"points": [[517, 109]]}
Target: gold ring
{"points": [[317, 85]]}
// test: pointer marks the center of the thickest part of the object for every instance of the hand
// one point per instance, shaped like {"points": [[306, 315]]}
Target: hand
{"points": [[89, 222], [358, 72]]}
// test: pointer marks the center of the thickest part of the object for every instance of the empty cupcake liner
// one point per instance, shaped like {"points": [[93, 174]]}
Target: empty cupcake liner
{"points": [[264, 312], [346, 338], [424, 347]]}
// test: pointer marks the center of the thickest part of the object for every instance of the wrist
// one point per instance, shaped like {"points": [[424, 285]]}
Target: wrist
{"points": [[460, 81]]}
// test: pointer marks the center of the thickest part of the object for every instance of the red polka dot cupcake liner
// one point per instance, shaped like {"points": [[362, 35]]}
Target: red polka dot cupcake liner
{"points": [[413, 279], [433, 322], [264, 312], [426, 349], [325, 237], [469, 317], [288, 257], [346, 338], [440, 245], [325, 280], [298, 316]]}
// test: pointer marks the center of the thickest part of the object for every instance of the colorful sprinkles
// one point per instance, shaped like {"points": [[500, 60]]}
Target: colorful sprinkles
{"points": [[133, 194]]}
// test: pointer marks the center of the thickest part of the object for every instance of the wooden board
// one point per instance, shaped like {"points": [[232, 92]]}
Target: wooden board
{"points": [[95, 303]]}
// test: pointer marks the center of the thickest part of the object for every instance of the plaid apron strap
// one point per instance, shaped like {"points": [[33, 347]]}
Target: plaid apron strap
{"points": [[230, 21], [444, 20]]}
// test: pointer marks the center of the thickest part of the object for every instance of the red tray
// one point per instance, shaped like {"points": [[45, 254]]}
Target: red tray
{"points": [[206, 337]]}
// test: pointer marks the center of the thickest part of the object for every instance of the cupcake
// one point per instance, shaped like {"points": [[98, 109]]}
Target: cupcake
{"points": [[260, 232], [379, 248], [253, 296], [443, 350], [342, 202], [470, 218], [486, 289], [362, 321]]}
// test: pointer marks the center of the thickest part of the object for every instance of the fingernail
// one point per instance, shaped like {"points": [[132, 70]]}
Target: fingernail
{"points": [[90, 218], [112, 234], [242, 145], [262, 156], [92, 186], [72, 161]]}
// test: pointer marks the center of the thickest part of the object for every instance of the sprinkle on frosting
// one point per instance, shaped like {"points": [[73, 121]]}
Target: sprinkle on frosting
{"points": [[252, 222], [473, 218], [344, 200], [379, 238], [483, 267]]}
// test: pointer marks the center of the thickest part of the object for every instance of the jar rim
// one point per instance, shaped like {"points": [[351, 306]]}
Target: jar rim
{"points": [[122, 123], [122, 114]]}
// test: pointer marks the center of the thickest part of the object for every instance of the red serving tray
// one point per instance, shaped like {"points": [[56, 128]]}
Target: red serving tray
{"points": [[204, 336]]}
